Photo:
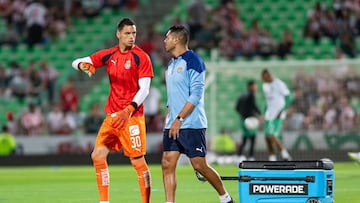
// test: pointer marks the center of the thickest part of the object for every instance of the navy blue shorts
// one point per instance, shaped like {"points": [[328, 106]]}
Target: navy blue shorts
{"points": [[190, 142]]}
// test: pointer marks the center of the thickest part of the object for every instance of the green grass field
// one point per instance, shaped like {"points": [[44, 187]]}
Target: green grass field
{"points": [[77, 184]]}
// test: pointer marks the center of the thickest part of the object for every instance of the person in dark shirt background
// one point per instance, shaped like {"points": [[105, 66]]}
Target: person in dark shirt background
{"points": [[246, 107]]}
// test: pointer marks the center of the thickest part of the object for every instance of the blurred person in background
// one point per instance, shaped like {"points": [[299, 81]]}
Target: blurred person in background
{"points": [[347, 116], [69, 96], [32, 121], [130, 71], [197, 16], [54, 119], [223, 144], [9, 36], [285, 45], [12, 123], [151, 108], [36, 85], [48, 75], [7, 142], [19, 85], [4, 83], [35, 14], [94, 119], [278, 98], [246, 107]]}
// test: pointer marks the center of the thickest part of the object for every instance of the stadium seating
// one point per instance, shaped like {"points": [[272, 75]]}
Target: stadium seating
{"points": [[277, 15]]}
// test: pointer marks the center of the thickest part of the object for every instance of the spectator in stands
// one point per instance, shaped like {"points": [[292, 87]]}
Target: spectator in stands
{"points": [[266, 44], [16, 12], [285, 45], [132, 4], [14, 69], [58, 25], [247, 44], [54, 119], [230, 47], [69, 123], [9, 36], [48, 75], [35, 85], [205, 38], [32, 121], [147, 42], [151, 108], [312, 28], [35, 14], [61, 122], [197, 14], [4, 83], [69, 96], [94, 119], [19, 85], [330, 121], [347, 115], [114, 4], [91, 8], [12, 123], [329, 26], [76, 10]]}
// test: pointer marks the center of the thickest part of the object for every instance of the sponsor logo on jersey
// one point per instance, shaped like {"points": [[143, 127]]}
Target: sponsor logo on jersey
{"points": [[279, 189], [134, 130]]}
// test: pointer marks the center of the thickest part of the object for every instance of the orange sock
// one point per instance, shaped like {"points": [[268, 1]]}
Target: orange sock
{"points": [[102, 177], [144, 178]]}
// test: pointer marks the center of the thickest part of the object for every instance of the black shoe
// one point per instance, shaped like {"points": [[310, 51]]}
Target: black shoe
{"points": [[231, 201]]}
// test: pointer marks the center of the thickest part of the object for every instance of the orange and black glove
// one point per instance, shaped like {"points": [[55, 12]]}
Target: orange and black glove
{"points": [[87, 68], [121, 118]]}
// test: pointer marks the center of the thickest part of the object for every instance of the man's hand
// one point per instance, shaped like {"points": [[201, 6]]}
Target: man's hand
{"points": [[87, 68], [121, 118], [174, 130]]}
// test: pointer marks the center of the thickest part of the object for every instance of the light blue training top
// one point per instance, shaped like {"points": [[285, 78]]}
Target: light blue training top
{"points": [[185, 81]]}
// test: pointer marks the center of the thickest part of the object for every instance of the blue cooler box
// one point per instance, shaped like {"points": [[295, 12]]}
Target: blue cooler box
{"points": [[286, 182]]}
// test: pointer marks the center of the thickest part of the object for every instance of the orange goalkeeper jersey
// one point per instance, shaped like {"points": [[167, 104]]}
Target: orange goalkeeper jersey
{"points": [[124, 70]]}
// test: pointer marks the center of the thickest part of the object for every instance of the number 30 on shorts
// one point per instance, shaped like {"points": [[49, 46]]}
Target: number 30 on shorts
{"points": [[135, 136]]}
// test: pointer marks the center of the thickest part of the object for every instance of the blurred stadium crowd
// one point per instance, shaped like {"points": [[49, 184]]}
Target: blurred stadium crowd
{"points": [[42, 21], [332, 105], [326, 100]]}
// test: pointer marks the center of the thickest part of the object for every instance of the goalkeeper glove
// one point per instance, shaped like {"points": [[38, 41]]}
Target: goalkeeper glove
{"points": [[120, 118], [87, 68]]}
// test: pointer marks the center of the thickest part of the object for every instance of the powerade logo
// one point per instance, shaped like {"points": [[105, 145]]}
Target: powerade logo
{"points": [[278, 189]]}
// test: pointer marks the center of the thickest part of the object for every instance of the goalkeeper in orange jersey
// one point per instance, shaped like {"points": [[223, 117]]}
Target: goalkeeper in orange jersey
{"points": [[130, 72]]}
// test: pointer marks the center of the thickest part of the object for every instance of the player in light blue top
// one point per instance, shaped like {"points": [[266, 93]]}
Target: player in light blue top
{"points": [[185, 80], [186, 121]]}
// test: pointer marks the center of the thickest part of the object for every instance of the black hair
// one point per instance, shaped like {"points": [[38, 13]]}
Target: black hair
{"points": [[250, 83], [5, 128], [265, 71], [181, 32], [123, 22]]}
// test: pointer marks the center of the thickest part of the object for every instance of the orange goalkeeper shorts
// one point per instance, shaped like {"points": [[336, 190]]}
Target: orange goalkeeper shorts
{"points": [[132, 138]]}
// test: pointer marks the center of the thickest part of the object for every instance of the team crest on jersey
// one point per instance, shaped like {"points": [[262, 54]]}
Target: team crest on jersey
{"points": [[127, 64], [179, 69]]}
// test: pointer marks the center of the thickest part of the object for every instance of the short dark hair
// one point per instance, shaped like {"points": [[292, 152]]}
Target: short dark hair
{"points": [[123, 22], [265, 71], [250, 83], [181, 32]]}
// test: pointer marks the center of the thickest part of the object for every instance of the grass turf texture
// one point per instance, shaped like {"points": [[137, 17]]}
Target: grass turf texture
{"points": [[77, 184]]}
